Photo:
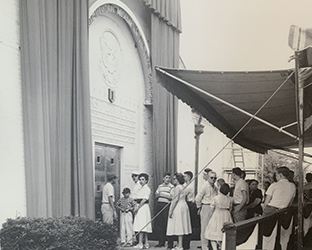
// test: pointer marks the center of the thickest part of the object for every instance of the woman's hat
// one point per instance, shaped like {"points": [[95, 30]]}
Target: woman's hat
{"points": [[136, 173]]}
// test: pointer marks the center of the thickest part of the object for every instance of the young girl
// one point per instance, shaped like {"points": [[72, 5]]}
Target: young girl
{"points": [[222, 205], [142, 220]]}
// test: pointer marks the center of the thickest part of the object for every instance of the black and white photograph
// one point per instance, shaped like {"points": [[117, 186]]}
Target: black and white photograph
{"points": [[156, 124]]}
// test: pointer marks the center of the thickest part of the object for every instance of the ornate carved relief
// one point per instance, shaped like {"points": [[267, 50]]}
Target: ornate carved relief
{"points": [[111, 58], [112, 123], [143, 51]]}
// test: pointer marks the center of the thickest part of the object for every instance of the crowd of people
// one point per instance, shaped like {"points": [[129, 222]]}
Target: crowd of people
{"points": [[179, 210]]}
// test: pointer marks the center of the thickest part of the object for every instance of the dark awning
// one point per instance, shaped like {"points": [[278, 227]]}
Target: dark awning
{"points": [[247, 91]]}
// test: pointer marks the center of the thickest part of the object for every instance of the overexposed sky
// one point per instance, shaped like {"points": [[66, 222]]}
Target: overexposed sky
{"points": [[243, 35]]}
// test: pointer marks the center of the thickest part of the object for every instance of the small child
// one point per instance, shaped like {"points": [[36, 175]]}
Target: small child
{"points": [[126, 205], [222, 205]]}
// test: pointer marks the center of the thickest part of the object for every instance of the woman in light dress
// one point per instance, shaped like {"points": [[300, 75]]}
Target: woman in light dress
{"points": [[222, 205], [179, 222], [142, 219]]}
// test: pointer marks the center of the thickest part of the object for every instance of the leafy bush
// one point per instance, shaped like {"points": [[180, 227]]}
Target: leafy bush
{"points": [[57, 233]]}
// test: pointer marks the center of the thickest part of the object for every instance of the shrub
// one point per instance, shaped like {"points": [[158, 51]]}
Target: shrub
{"points": [[57, 233]]}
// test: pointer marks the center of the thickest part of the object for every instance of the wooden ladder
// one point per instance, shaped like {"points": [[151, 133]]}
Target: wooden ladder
{"points": [[238, 156]]}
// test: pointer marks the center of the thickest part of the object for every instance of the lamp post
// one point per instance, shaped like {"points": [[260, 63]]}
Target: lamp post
{"points": [[198, 130]]}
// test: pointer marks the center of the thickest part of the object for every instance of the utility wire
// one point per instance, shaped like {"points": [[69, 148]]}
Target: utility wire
{"points": [[216, 155]]}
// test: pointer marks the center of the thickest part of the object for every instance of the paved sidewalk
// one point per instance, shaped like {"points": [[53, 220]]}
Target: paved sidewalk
{"points": [[152, 244]]}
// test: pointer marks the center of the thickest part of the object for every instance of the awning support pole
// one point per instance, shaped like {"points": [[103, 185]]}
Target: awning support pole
{"points": [[198, 130], [300, 89], [229, 104]]}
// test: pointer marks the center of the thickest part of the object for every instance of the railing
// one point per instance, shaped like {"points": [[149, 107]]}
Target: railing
{"points": [[239, 233]]}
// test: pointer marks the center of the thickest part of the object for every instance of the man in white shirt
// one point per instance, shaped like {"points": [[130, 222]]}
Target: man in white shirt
{"points": [[240, 196], [108, 199], [203, 200], [280, 194], [137, 186]]}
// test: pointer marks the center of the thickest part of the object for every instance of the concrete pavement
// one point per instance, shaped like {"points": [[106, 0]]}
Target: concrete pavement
{"points": [[152, 244]]}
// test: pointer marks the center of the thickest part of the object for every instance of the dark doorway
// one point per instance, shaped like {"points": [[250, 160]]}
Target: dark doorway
{"points": [[107, 161]]}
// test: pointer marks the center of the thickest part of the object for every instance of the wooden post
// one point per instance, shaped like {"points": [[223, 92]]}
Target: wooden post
{"points": [[260, 236], [230, 238], [300, 86], [262, 166]]}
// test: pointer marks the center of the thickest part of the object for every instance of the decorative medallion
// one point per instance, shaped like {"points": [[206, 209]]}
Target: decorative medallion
{"points": [[110, 58], [142, 46]]}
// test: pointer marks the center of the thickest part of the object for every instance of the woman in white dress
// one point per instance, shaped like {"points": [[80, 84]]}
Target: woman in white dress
{"points": [[142, 219], [222, 205], [179, 222]]}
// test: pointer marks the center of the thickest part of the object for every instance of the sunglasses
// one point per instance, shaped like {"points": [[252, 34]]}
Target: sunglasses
{"points": [[213, 178]]}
